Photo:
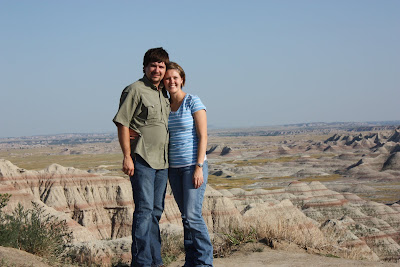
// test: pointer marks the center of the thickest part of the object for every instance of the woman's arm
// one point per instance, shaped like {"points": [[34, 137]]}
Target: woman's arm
{"points": [[200, 120]]}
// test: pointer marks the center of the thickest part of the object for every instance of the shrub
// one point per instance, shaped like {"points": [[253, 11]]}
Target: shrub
{"points": [[232, 239], [4, 198], [34, 231], [172, 247]]}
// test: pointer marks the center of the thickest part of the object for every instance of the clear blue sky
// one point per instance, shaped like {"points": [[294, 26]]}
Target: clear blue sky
{"points": [[63, 64]]}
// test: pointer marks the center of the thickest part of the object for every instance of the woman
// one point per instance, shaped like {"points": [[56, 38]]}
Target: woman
{"points": [[188, 169]]}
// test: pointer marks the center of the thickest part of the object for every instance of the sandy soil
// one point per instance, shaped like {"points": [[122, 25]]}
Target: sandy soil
{"points": [[270, 257], [17, 258]]}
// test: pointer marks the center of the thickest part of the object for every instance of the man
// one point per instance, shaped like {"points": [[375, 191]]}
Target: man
{"points": [[143, 110]]}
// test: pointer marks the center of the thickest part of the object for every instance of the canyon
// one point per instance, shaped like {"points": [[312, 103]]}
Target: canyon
{"points": [[336, 190]]}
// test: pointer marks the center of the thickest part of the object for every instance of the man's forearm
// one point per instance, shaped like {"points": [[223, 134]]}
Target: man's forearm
{"points": [[128, 166], [124, 140]]}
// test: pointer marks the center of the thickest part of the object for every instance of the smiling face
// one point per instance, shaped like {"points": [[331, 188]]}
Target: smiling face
{"points": [[173, 81], [155, 72]]}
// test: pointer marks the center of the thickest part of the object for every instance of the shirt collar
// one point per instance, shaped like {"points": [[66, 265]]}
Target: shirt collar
{"points": [[149, 83]]}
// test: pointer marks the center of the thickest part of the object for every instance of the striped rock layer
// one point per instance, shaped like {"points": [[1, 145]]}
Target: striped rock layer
{"points": [[98, 210]]}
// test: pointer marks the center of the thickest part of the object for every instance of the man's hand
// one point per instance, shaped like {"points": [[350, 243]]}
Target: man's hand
{"points": [[198, 177], [133, 134], [127, 166]]}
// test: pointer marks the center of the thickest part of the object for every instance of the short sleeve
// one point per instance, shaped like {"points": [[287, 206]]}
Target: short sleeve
{"points": [[127, 106], [196, 104]]}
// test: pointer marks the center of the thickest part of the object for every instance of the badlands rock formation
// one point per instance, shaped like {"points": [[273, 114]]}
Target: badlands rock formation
{"points": [[218, 150], [340, 161], [98, 209], [380, 156]]}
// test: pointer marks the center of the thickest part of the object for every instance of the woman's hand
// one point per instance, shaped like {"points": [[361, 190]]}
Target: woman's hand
{"points": [[198, 179]]}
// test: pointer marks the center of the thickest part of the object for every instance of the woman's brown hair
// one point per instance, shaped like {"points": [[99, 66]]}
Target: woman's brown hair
{"points": [[175, 66]]}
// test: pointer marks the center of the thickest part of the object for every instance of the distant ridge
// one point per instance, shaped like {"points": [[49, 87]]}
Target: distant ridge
{"points": [[279, 129], [307, 128], [308, 124]]}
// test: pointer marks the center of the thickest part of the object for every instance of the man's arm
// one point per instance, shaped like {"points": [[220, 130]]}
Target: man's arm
{"points": [[124, 141]]}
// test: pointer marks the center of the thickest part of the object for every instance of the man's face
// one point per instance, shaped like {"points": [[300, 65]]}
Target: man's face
{"points": [[155, 72]]}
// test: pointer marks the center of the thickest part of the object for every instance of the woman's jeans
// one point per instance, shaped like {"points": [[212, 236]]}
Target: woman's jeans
{"points": [[148, 186], [198, 247]]}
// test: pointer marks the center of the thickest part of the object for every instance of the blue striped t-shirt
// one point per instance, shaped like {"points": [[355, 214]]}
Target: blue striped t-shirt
{"points": [[183, 138]]}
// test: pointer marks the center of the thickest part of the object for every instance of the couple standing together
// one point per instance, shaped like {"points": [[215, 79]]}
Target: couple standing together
{"points": [[163, 137]]}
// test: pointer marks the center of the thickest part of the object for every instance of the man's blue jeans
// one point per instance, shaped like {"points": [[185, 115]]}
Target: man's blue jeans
{"points": [[148, 186], [198, 247]]}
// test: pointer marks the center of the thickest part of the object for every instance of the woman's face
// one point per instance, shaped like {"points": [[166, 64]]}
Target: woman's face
{"points": [[173, 81]]}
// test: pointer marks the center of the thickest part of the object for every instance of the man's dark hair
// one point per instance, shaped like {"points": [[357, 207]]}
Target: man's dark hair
{"points": [[155, 55]]}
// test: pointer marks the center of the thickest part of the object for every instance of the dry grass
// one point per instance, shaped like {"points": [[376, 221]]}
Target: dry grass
{"points": [[231, 240], [322, 178], [273, 187], [279, 233], [381, 197], [325, 155], [306, 236], [218, 182], [387, 192], [83, 161], [260, 161], [281, 178], [39, 161], [384, 193], [227, 183], [172, 247], [290, 230]]}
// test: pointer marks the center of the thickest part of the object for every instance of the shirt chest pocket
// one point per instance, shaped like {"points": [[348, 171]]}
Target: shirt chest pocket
{"points": [[167, 106], [150, 110]]}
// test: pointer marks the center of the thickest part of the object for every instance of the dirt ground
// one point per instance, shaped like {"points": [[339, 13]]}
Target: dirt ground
{"points": [[10, 257], [270, 257]]}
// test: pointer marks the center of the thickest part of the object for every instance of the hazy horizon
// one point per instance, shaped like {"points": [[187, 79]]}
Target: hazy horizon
{"points": [[211, 128], [253, 64]]}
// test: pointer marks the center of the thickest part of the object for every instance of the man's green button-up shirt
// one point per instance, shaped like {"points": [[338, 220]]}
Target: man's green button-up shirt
{"points": [[145, 110]]}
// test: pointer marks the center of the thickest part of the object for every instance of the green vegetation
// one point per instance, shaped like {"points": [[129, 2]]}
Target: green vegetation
{"points": [[261, 161], [228, 242], [172, 247], [218, 182], [237, 236], [233, 239], [322, 178], [387, 192], [81, 161], [4, 198], [33, 231], [331, 256], [324, 155]]}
